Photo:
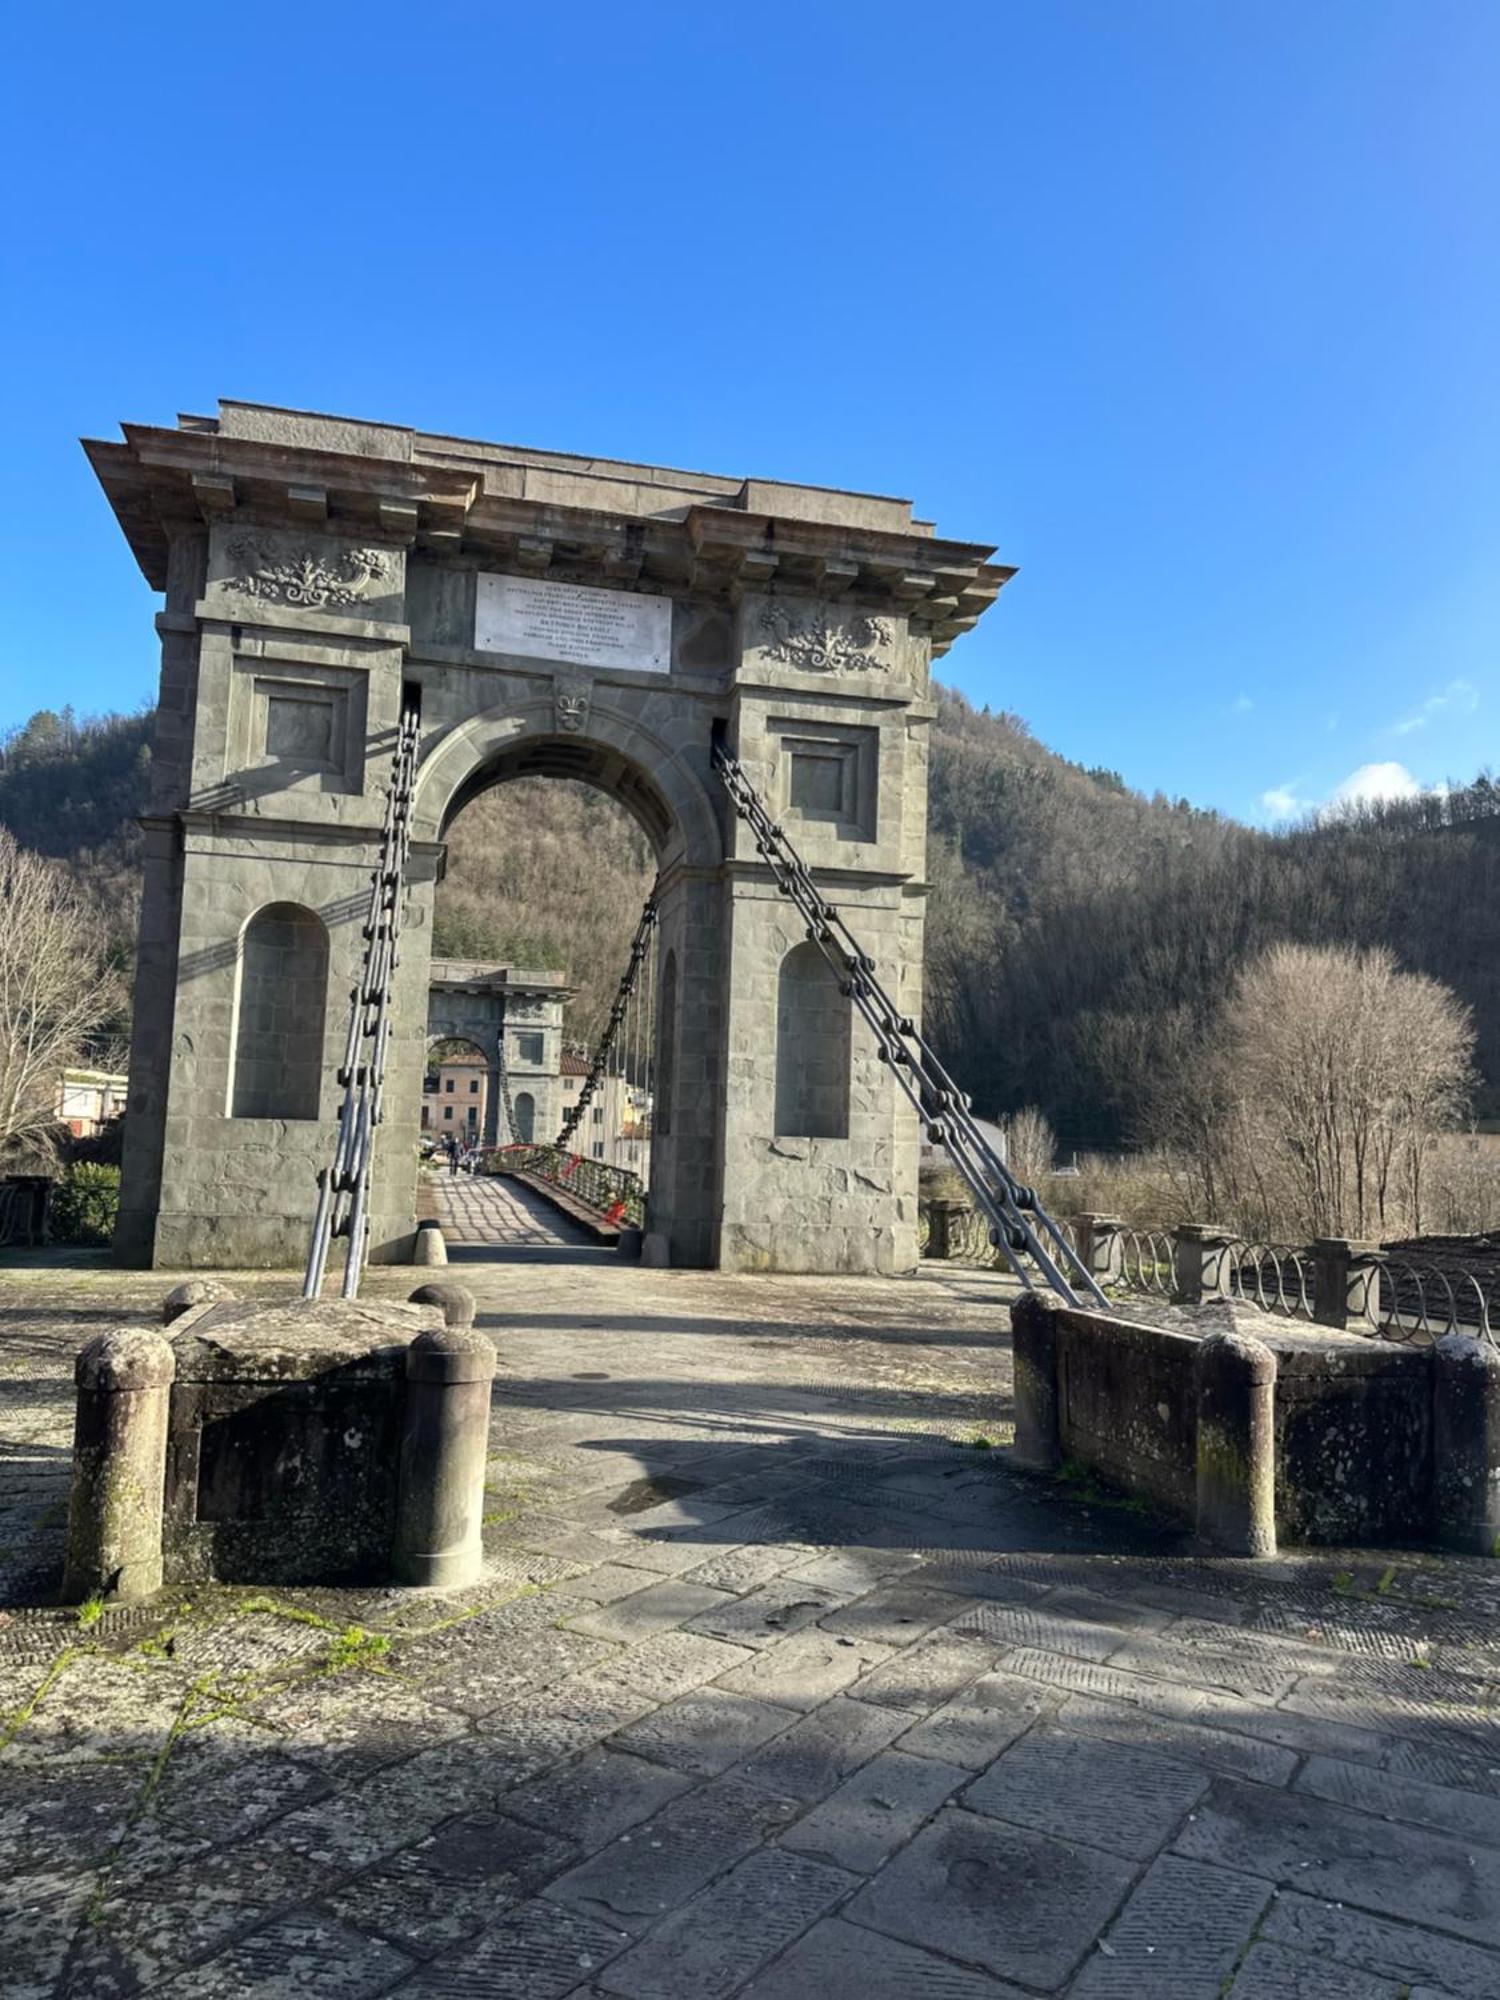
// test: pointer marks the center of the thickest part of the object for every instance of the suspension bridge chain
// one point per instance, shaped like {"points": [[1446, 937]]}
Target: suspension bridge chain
{"points": [[1017, 1220], [344, 1185], [640, 952]]}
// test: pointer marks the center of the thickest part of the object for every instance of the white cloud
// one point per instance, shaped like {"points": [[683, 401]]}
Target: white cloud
{"points": [[1457, 698], [1372, 783], [1281, 802]]}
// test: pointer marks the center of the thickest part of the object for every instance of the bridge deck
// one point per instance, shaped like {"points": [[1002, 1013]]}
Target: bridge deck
{"points": [[777, 1684], [496, 1216]]}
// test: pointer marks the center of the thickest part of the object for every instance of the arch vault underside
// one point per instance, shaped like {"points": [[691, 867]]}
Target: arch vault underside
{"points": [[554, 617]]}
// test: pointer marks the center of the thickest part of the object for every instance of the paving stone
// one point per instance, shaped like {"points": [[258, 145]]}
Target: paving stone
{"points": [[595, 1800], [1101, 1607], [1465, 1817], [352, 1722], [538, 1730], [541, 1951], [1403, 1952], [1323, 1850], [300, 1954], [1434, 1707], [1034, 1625], [895, 1614], [1271, 1973], [745, 1569], [710, 1946], [999, 1586], [454, 1882], [767, 1615], [668, 1666], [657, 1608], [806, 1669], [668, 1554], [981, 1723], [843, 1961], [811, 1759], [1020, 1904], [1239, 1672], [853, 1572], [707, 1731], [64, 1816], [1434, 1766], [235, 1801], [1212, 1749], [39, 1914], [1104, 1794], [95, 1704], [1310, 1736], [648, 1871], [874, 1811], [609, 1582], [930, 1672], [1178, 1937], [475, 1681]]}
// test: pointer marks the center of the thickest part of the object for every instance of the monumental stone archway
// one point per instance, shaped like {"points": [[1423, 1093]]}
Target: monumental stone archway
{"points": [[554, 616]]}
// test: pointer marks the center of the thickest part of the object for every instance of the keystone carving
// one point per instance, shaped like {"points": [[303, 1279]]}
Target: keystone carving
{"points": [[307, 579], [814, 643], [570, 702]]}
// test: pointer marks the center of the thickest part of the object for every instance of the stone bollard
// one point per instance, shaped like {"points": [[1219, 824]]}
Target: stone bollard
{"points": [[190, 1297], [429, 1247], [119, 1467], [1101, 1247], [456, 1302], [445, 1434], [1033, 1324], [1198, 1261], [1237, 1444], [1466, 1443], [628, 1244], [1346, 1281]]}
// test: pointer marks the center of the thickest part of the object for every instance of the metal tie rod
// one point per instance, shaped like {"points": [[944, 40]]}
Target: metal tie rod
{"points": [[1017, 1220]]}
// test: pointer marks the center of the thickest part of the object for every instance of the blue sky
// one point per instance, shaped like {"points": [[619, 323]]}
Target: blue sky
{"points": [[1191, 306]]}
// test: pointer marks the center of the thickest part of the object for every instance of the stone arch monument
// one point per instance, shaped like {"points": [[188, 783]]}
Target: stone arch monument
{"points": [[553, 615]]}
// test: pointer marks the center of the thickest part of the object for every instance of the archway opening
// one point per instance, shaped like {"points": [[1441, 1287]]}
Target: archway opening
{"points": [[551, 853]]}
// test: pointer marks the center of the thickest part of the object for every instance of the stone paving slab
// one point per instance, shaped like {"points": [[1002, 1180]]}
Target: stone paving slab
{"points": [[771, 1686]]}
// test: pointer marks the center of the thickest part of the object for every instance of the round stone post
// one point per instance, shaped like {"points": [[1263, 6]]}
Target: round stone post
{"points": [[444, 1442], [1466, 1443], [124, 1383], [457, 1303], [1033, 1332], [1237, 1444], [429, 1247]]}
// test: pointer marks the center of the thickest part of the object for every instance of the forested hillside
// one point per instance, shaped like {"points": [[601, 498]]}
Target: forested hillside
{"points": [[1079, 932]]}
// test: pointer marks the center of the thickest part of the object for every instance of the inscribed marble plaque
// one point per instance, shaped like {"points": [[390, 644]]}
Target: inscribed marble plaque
{"points": [[572, 622]]}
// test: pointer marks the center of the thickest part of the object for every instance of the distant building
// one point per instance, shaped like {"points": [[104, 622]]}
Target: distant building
{"points": [[455, 1093], [616, 1125], [90, 1099], [495, 1010]]}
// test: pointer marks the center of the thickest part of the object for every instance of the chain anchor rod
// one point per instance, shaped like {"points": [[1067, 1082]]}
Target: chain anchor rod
{"points": [[1017, 1219], [344, 1185]]}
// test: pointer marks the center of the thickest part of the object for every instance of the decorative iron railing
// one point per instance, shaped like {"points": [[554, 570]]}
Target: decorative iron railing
{"points": [[1274, 1276], [613, 1193], [1421, 1303]]}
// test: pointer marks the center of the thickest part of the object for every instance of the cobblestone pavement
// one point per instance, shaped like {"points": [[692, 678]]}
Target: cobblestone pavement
{"points": [[779, 1683]]}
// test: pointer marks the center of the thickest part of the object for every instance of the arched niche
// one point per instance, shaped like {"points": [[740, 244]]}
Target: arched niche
{"points": [[281, 1005], [812, 1048]]}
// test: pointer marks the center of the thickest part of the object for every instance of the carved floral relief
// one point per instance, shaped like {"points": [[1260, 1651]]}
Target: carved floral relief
{"points": [[317, 581], [816, 643], [570, 705]]}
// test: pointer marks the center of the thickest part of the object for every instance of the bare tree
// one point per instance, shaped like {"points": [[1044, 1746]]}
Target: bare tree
{"points": [[55, 993], [1321, 1090], [1030, 1145]]}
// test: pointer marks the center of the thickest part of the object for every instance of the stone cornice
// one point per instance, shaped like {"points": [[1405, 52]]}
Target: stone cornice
{"points": [[162, 483]]}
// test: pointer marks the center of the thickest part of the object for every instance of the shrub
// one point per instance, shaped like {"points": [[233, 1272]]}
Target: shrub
{"points": [[85, 1203]]}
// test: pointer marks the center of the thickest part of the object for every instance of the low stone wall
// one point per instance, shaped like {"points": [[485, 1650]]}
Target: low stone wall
{"points": [[1259, 1431]]}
